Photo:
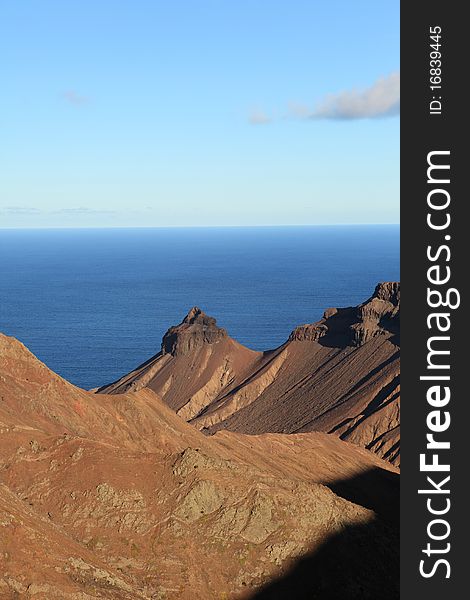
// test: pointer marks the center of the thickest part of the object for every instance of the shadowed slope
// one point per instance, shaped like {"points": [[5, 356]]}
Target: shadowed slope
{"points": [[320, 574]]}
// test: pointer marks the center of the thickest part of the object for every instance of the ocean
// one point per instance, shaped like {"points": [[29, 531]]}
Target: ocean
{"points": [[94, 303]]}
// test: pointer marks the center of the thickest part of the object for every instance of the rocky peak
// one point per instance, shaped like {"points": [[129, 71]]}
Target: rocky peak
{"points": [[196, 315], [195, 330], [379, 315], [389, 291], [354, 326]]}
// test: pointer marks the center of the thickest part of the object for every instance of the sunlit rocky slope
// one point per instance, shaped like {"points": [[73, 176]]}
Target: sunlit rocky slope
{"points": [[115, 496]]}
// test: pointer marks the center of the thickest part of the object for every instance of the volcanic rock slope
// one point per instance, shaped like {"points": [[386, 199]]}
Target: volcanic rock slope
{"points": [[117, 497], [339, 375]]}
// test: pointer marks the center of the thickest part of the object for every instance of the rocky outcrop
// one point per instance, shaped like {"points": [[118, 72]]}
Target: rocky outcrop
{"points": [[194, 331], [379, 315]]}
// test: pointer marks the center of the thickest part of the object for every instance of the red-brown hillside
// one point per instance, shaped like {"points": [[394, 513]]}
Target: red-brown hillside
{"points": [[339, 375], [115, 496]]}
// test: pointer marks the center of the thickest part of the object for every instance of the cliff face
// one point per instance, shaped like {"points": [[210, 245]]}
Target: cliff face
{"points": [[339, 375], [380, 315], [116, 497], [196, 330]]}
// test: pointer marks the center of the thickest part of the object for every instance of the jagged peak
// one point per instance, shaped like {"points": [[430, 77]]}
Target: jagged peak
{"points": [[196, 316], [389, 291], [379, 315], [193, 314]]}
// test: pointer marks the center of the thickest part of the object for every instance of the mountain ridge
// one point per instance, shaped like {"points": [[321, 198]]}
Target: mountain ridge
{"points": [[339, 375]]}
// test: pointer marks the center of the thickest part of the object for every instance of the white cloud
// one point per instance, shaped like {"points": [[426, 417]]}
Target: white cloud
{"points": [[72, 97], [259, 117], [82, 210], [382, 99], [73, 211], [19, 210]]}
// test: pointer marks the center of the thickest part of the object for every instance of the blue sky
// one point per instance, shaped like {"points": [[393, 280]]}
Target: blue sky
{"points": [[178, 113]]}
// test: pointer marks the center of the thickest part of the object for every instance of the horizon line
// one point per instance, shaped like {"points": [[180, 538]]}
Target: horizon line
{"points": [[40, 227]]}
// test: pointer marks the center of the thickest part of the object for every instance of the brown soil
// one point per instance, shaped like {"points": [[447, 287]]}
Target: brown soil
{"points": [[116, 496]]}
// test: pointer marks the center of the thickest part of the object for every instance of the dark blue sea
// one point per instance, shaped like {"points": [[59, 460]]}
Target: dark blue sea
{"points": [[94, 303]]}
